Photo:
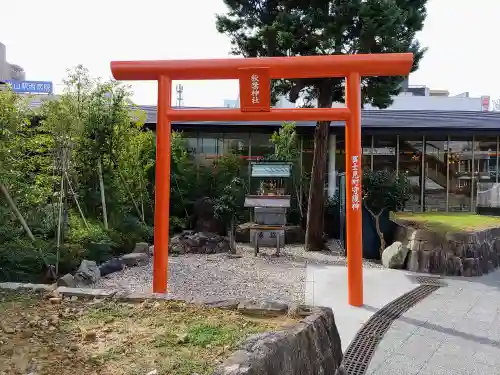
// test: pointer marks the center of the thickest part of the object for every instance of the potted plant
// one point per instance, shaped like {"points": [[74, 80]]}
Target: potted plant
{"points": [[383, 192]]}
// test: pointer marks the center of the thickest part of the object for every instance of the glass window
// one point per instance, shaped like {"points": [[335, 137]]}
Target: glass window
{"points": [[366, 146], [410, 162], [460, 176], [485, 164], [366, 151], [384, 152], [261, 145], [209, 147], [191, 142], [435, 180], [236, 143]]}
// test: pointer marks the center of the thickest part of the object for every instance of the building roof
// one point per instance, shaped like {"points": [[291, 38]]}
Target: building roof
{"points": [[382, 119]]}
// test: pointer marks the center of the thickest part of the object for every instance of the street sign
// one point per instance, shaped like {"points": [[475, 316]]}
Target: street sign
{"points": [[31, 87]]}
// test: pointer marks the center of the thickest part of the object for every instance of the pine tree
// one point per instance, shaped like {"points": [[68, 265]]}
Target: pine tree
{"points": [[259, 28]]}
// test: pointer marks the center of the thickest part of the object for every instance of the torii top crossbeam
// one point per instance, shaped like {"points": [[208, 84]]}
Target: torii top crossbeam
{"points": [[390, 64], [254, 75]]}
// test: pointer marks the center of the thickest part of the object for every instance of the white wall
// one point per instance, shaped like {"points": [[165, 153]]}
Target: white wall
{"points": [[433, 103], [418, 103]]}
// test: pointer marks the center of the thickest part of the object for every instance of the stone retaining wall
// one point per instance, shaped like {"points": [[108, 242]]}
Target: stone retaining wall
{"points": [[452, 254], [310, 347]]}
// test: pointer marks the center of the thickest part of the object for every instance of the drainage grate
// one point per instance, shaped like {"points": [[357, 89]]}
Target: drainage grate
{"points": [[358, 355], [428, 280]]}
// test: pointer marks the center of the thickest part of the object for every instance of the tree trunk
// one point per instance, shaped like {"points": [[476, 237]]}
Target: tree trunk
{"points": [[59, 221], [76, 200], [316, 206], [103, 195]]}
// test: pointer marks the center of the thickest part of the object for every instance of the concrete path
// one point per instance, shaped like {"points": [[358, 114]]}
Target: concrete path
{"points": [[456, 330], [327, 286]]}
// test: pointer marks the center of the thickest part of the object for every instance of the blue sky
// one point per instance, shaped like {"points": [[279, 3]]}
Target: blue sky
{"points": [[47, 37]]}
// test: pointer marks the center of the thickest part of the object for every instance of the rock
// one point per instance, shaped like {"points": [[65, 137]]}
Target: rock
{"points": [[310, 347], [182, 338], [88, 272], [55, 300], [141, 247], [453, 254], [394, 256], [67, 280], [135, 259], [230, 304], [299, 311], [263, 308], [198, 243], [152, 250], [110, 266]]}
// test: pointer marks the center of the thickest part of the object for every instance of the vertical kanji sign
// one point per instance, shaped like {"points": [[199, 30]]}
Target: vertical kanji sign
{"points": [[355, 182], [254, 75], [255, 90]]}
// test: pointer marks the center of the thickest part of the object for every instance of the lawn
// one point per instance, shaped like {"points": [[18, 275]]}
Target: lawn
{"points": [[449, 222], [104, 338]]}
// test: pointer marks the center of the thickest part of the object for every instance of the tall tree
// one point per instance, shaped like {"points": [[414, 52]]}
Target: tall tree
{"points": [[260, 28]]}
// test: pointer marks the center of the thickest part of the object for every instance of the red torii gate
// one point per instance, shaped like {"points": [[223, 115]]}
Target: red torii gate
{"points": [[254, 75]]}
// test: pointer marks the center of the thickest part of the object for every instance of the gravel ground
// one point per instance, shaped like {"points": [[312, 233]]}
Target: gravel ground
{"points": [[216, 276]]}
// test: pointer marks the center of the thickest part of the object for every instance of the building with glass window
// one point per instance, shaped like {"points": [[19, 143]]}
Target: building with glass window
{"points": [[444, 153]]}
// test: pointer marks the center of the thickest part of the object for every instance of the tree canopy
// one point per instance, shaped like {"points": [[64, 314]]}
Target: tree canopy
{"points": [[259, 28]]}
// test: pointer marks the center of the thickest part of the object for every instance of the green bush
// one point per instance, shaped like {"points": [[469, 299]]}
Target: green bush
{"points": [[20, 260]]}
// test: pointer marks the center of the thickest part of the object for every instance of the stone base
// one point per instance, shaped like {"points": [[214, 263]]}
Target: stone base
{"points": [[294, 234], [452, 254]]}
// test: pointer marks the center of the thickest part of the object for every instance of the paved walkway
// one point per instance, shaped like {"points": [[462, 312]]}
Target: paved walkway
{"points": [[454, 331]]}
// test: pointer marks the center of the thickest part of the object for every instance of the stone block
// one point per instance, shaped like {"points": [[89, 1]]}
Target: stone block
{"points": [[67, 280], [85, 292], [88, 272], [135, 259], [141, 247], [394, 256], [28, 287], [454, 254], [310, 347], [262, 308]]}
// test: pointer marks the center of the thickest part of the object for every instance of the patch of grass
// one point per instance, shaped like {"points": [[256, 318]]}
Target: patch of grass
{"points": [[442, 222], [118, 338]]}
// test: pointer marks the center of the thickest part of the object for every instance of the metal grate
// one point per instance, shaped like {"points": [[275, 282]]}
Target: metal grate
{"points": [[428, 280], [358, 355]]}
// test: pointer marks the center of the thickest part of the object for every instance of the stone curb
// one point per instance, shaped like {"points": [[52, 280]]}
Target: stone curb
{"points": [[256, 308]]}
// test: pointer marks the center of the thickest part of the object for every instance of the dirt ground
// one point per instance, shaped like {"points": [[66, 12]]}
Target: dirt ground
{"points": [[63, 337]]}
